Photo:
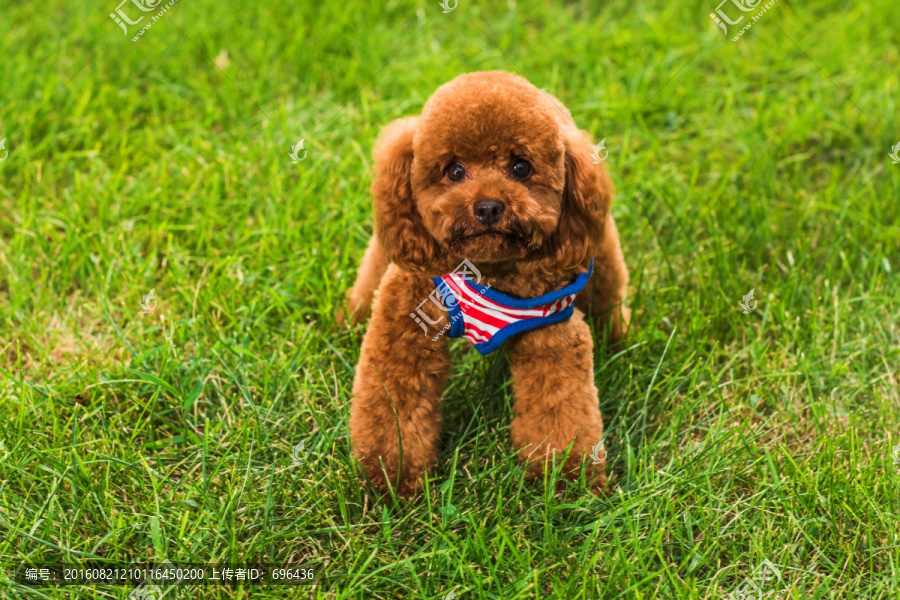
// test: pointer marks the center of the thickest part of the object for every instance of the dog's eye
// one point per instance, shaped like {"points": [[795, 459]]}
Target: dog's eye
{"points": [[520, 169], [455, 172]]}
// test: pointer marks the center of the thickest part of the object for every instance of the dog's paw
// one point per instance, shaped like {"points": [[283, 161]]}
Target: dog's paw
{"points": [[347, 319], [617, 325], [352, 315], [407, 490], [381, 479], [599, 485]]}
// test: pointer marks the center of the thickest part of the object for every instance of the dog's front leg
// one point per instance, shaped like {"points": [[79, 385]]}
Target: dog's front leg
{"points": [[395, 416], [555, 399]]}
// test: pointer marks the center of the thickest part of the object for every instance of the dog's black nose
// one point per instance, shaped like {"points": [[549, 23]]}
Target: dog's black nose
{"points": [[488, 212]]}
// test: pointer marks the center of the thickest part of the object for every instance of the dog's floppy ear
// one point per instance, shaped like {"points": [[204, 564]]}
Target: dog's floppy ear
{"points": [[398, 224], [586, 199]]}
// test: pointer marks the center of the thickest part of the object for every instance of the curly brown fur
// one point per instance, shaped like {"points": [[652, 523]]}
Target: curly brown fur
{"points": [[552, 223]]}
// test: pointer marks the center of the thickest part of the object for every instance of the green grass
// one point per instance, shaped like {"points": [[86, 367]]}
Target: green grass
{"points": [[732, 437]]}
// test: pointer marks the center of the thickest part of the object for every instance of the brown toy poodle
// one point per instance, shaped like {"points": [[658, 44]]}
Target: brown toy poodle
{"points": [[492, 224]]}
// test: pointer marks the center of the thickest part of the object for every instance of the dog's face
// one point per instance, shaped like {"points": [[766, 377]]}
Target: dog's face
{"points": [[494, 171], [489, 172]]}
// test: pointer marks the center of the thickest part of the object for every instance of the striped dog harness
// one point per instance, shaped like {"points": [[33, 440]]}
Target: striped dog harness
{"points": [[487, 318]]}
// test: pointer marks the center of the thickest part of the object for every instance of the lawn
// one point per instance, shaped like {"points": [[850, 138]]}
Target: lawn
{"points": [[163, 164]]}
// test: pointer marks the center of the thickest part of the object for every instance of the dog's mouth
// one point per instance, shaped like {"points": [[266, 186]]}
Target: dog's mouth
{"points": [[488, 233], [489, 244]]}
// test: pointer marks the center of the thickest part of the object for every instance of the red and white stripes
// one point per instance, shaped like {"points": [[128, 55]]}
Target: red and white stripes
{"points": [[483, 317]]}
